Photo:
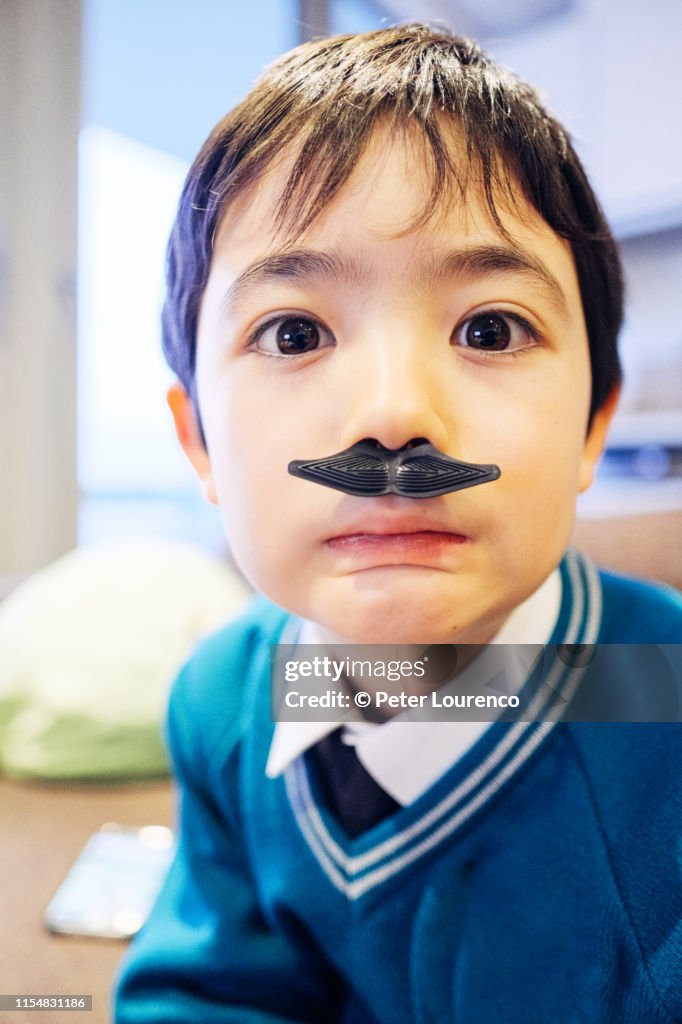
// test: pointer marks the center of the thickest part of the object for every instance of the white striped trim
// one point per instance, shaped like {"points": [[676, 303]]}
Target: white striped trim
{"points": [[358, 888], [592, 626], [340, 867], [301, 812]]}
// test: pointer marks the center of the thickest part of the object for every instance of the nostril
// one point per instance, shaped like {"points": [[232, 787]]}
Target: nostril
{"points": [[414, 443]]}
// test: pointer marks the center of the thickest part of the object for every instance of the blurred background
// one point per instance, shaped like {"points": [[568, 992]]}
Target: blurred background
{"points": [[103, 103]]}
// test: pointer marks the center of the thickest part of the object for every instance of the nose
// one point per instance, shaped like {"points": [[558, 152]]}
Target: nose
{"points": [[397, 390]]}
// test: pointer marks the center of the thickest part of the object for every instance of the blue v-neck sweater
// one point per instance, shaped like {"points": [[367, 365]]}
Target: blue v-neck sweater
{"points": [[539, 881]]}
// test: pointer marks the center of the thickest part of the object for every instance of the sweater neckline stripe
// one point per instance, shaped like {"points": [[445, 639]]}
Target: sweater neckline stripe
{"points": [[360, 886]]}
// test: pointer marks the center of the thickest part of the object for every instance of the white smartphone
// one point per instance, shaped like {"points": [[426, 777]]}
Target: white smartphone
{"points": [[113, 883]]}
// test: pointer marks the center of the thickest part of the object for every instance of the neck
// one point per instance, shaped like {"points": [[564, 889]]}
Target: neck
{"points": [[398, 670]]}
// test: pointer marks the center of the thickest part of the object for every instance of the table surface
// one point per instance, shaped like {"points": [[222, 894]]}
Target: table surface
{"points": [[43, 828]]}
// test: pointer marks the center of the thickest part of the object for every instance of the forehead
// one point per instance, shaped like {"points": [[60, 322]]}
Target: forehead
{"points": [[374, 229]]}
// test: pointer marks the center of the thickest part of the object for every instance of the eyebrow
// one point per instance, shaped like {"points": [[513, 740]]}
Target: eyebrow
{"points": [[309, 266]]}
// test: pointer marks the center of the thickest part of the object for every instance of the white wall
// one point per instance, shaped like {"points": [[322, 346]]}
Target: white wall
{"points": [[611, 71], [39, 122]]}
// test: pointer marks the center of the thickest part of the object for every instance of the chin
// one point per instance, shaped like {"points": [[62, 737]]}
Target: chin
{"points": [[391, 621]]}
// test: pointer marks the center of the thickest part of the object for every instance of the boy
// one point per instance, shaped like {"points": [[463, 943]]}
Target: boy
{"points": [[391, 241]]}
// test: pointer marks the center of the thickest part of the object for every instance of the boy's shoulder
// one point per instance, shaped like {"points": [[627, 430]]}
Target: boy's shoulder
{"points": [[637, 611], [231, 647], [634, 630], [633, 765], [211, 696]]}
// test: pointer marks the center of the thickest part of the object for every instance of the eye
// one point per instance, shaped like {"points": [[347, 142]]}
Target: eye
{"points": [[291, 336], [493, 331]]}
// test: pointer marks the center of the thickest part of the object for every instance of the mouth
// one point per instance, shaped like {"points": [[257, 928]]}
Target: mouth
{"points": [[396, 543]]}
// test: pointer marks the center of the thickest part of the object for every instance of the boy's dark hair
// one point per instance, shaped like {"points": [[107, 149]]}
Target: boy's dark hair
{"points": [[324, 99]]}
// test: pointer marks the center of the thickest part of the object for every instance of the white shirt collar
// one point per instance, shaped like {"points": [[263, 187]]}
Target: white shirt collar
{"points": [[406, 757]]}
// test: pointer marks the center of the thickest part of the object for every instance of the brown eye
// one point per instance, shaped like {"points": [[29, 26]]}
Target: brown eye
{"points": [[291, 334], [296, 335], [489, 331], [497, 331]]}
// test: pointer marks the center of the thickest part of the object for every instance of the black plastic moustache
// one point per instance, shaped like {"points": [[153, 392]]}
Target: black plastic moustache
{"points": [[368, 469]]}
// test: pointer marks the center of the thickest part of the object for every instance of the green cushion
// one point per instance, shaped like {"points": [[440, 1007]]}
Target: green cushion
{"points": [[88, 649]]}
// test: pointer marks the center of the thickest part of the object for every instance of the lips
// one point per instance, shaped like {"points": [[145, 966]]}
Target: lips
{"points": [[400, 540], [398, 524]]}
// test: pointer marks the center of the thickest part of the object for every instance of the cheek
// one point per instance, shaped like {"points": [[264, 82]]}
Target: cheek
{"points": [[246, 483], [260, 503], [539, 452]]}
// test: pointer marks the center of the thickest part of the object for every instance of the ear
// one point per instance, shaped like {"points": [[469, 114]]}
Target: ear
{"points": [[189, 437], [596, 439]]}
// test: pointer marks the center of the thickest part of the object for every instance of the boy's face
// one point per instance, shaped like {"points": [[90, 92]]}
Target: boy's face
{"points": [[450, 333]]}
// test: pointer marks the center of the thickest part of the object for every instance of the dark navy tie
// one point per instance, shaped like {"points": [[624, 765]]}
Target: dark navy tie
{"points": [[355, 798]]}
